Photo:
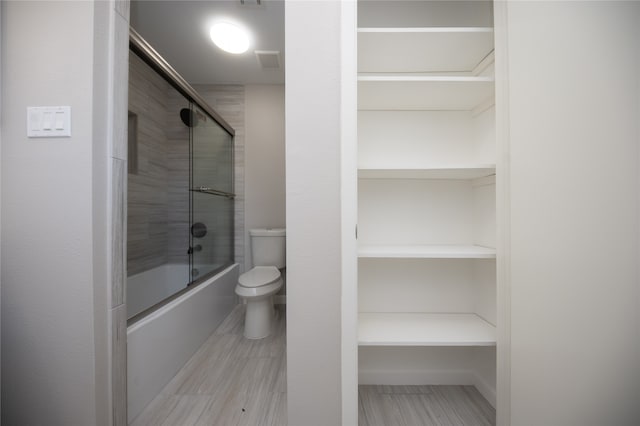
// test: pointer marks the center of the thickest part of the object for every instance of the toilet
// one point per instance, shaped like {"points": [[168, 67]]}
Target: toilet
{"points": [[258, 285]]}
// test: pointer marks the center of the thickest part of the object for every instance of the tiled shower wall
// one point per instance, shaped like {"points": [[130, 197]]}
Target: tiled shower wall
{"points": [[147, 219], [158, 197], [178, 187]]}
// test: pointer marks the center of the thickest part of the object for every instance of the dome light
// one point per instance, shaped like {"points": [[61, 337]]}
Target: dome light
{"points": [[229, 37]]}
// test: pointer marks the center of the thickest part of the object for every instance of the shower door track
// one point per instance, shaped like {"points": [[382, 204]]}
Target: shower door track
{"points": [[160, 65]]}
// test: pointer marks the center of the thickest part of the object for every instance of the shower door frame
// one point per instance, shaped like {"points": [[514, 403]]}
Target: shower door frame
{"points": [[158, 63], [151, 57]]}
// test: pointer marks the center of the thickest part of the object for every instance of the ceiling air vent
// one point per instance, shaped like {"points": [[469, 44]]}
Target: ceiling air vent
{"points": [[268, 58]]}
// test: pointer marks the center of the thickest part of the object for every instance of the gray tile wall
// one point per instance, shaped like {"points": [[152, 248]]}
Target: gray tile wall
{"points": [[118, 238], [119, 364], [147, 219], [178, 186], [118, 309], [159, 193]]}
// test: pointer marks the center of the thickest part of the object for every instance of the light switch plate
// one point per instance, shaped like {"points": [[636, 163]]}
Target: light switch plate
{"points": [[49, 122]]}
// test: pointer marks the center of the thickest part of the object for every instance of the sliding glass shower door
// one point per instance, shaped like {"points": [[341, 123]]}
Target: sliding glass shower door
{"points": [[212, 195], [180, 201]]}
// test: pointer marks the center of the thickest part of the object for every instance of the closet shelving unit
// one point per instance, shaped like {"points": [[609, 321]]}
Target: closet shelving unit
{"points": [[427, 202], [392, 75]]}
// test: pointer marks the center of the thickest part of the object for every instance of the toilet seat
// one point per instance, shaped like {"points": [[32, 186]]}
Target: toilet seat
{"points": [[258, 292], [261, 281], [259, 276]]}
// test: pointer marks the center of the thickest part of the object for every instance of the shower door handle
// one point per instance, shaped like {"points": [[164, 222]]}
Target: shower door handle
{"points": [[211, 191], [197, 247]]}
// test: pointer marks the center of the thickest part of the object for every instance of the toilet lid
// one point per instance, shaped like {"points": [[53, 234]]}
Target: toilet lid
{"points": [[259, 276]]}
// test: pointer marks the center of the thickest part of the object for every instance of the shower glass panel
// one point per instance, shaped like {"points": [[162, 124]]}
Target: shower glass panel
{"points": [[180, 221], [211, 234], [158, 190]]}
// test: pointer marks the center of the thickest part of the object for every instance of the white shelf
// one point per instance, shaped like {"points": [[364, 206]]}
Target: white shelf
{"points": [[421, 329], [426, 252], [423, 92], [442, 50], [451, 172]]}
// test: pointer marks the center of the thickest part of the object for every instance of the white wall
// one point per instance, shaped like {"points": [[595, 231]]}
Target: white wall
{"points": [[349, 209], [264, 160], [321, 365], [574, 74], [50, 327]]}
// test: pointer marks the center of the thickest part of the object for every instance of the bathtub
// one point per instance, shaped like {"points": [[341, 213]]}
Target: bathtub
{"points": [[150, 287], [162, 342]]}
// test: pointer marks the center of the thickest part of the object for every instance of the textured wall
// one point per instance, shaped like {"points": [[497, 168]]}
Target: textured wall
{"points": [[53, 277], [314, 148], [573, 235]]}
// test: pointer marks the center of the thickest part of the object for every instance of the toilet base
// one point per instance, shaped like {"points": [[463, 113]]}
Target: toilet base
{"points": [[258, 318]]}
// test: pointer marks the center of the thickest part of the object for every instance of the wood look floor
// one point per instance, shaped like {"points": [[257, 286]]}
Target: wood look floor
{"points": [[234, 381], [229, 381], [380, 405]]}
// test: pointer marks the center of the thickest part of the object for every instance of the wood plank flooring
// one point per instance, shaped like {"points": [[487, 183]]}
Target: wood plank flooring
{"points": [[230, 380], [380, 405], [234, 381]]}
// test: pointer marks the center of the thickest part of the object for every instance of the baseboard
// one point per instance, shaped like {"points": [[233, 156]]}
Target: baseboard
{"points": [[485, 389], [416, 377]]}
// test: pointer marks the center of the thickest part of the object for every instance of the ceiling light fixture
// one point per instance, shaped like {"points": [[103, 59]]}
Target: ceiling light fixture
{"points": [[229, 37]]}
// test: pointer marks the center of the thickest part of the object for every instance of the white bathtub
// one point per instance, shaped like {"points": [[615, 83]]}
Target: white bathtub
{"points": [[150, 287], [162, 342]]}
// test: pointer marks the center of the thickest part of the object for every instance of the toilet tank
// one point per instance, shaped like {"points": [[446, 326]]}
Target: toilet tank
{"points": [[268, 247]]}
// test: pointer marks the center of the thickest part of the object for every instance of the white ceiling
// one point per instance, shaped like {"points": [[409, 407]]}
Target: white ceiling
{"points": [[179, 31]]}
